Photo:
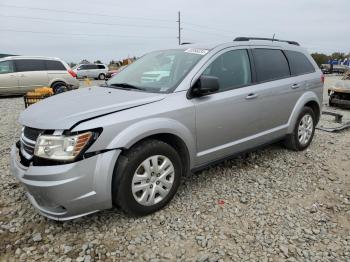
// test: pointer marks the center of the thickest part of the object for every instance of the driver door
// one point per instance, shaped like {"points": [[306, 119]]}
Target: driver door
{"points": [[8, 78], [226, 121]]}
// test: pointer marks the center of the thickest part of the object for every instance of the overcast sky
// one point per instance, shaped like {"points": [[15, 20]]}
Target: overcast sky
{"points": [[106, 29]]}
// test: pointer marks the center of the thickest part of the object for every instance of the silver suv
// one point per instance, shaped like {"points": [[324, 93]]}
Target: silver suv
{"points": [[128, 144], [20, 74]]}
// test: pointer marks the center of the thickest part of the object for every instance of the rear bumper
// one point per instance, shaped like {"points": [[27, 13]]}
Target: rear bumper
{"points": [[65, 192]]}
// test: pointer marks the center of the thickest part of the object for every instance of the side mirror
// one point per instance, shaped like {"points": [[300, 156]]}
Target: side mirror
{"points": [[205, 85]]}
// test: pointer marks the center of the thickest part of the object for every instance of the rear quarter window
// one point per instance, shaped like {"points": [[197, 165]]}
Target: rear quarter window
{"points": [[101, 67], [25, 65], [299, 63], [54, 65], [270, 64]]}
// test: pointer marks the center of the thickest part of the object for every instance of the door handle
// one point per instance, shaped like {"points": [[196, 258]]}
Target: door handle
{"points": [[294, 86], [251, 96]]}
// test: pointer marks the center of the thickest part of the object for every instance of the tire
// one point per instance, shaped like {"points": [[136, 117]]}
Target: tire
{"points": [[127, 172], [101, 76], [58, 86], [293, 141]]}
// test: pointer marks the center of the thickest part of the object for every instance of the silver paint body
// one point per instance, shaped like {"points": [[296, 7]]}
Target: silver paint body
{"points": [[212, 127]]}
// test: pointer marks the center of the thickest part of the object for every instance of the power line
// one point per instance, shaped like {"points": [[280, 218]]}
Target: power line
{"points": [[86, 13], [84, 35], [82, 22], [208, 27]]}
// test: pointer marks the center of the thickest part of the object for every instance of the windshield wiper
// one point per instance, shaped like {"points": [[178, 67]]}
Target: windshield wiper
{"points": [[126, 85]]}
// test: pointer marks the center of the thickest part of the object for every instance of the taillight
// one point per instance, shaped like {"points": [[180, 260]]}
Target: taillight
{"points": [[322, 78], [72, 73]]}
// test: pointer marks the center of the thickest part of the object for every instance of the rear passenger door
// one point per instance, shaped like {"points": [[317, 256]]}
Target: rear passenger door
{"points": [[31, 74], [278, 92]]}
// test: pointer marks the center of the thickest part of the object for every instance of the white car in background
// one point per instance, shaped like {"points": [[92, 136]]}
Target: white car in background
{"points": [[96, 71], [20, 74]]}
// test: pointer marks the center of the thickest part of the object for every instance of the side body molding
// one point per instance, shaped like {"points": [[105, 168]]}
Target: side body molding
{"points": [[304, 99]]}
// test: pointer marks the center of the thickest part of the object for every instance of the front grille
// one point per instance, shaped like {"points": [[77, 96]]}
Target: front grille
{"points": [[28, 140], [31, 133]]}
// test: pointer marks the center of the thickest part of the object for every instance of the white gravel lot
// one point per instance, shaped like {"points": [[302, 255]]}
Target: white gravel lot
{"points": [[270, 205]]}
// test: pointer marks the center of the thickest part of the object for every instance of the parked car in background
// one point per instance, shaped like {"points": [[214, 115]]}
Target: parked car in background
{"points": [[96, 71], [112, 73], [20, 74], [128, 144]]}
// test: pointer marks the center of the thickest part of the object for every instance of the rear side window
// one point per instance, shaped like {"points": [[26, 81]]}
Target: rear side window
{"points": [[101, 67], [299, 64], [24, 65], [270, 64], [54, 65]]}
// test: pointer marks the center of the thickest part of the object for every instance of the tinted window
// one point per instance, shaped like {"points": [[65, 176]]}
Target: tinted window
{"points": [[270, 64], [6, 67], [91, 66], [231, 68], [101, 67], [82, 67], [299, 64], [54, 65], [23, 65]]}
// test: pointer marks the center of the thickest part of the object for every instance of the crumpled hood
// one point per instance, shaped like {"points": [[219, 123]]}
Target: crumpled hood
{"points": [[64, 110]]}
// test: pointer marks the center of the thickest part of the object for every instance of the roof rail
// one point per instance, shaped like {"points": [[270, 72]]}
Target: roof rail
{"points": [[262, 38]]}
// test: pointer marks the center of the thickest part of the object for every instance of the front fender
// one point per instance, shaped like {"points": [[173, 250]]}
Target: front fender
{"points": [[148, 127], [302, 101]]}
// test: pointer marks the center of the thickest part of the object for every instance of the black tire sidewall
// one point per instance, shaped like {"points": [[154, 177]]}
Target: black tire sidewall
{"points": [[57, 85], [124, 196], [100, 76], [309, 111]]}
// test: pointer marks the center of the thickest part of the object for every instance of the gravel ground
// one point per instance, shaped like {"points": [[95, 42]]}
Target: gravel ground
{"points": [[270, 205]]}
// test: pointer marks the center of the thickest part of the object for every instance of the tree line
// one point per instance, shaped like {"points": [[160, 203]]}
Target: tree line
{"points": [[321, 58]]}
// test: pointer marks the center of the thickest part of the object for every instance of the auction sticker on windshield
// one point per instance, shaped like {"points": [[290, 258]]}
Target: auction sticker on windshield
{"points": [[196, 51]]}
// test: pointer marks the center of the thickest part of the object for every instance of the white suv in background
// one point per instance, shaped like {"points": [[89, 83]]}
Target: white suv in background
{"points": [[96, 71], [20, 74]]}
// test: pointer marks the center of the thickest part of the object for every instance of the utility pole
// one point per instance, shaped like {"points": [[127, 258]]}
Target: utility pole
{"points": [[179, 26]]}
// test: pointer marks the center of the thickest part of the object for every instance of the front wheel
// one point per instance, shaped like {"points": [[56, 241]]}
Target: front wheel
{"points": [[101, 76], [148, 179], [303, 131]]}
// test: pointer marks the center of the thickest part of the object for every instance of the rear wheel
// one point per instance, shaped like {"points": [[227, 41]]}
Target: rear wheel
{"points": [[59, 87], [303, 131], [147, 179]]}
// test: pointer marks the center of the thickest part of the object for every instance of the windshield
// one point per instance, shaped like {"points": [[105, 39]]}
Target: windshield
{"points": [[159, 71]]}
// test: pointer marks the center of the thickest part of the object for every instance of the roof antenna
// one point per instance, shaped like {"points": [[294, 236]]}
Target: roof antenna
{"points": [[273, 37]]}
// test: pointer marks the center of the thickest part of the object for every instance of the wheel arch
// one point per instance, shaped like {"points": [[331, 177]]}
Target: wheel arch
{"points": [[309, 99], [167, 130]]}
